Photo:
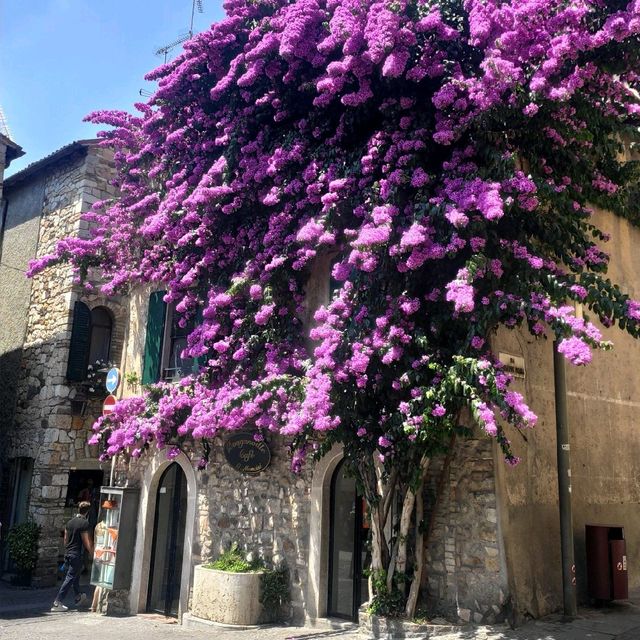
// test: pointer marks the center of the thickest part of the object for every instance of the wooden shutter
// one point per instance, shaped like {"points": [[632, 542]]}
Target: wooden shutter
{"points": [[154, 339], [200, 360], [80, 340]]}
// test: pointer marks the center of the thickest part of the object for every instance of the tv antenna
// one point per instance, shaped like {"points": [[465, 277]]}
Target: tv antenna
{"points": [[196, 5], [4, 125]]}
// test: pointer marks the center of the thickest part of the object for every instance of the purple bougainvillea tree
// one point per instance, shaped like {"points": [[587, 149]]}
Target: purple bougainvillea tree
{"points": [[443, 156]]}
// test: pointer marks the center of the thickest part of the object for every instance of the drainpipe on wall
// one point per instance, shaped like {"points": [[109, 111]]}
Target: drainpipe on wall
{"points": [[564, 485]]}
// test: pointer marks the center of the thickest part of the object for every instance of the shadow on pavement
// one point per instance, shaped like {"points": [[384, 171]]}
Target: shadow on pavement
{"points": [[29, 602]]}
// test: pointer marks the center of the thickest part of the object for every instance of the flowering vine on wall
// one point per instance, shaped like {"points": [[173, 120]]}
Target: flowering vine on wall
{"points": [[446, 156]]}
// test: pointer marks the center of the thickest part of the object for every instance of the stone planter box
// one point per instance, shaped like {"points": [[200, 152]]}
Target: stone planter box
{"points": [[373, 627], [227, 598]]}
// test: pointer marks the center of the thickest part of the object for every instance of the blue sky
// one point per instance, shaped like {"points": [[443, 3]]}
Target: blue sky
{"points": [[61, 59]]}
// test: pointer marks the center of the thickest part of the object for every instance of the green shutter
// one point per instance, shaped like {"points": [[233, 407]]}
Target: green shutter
{"points": [[154, 339], [200, 360], [80, 340]]}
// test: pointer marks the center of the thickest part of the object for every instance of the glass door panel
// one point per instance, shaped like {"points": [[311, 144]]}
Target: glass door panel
{"points": [[168, 541], [342, 553], [348, 547]]}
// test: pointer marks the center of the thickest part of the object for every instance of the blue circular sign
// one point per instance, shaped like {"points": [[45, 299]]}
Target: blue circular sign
{"points": [[113, 380]]}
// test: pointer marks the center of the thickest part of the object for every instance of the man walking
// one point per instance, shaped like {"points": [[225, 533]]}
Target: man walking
{"points": [[76, 535]]}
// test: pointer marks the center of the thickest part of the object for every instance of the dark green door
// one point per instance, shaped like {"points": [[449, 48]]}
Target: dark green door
{"points": [[348, 548], [168, 541]]}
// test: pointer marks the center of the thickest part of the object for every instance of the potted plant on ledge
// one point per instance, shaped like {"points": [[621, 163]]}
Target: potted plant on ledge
{"points": [[22, 543]]}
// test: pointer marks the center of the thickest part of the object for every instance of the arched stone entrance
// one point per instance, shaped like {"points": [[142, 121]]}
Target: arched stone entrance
{"points": [[149, 494], [165, 572], [348, 556], [320, 534]]}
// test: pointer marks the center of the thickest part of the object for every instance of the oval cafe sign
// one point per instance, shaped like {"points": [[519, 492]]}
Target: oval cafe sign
{"points": [[245, 454]]}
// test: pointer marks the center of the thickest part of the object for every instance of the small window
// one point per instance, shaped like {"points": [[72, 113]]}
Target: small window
{"points": [[174, 366], [90, 340], [165, 341], [101, 325]]}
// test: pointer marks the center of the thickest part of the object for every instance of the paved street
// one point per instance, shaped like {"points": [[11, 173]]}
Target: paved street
{"points": [[25, 615]]}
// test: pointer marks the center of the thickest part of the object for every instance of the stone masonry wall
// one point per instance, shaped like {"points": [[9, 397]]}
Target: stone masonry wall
{"points": [[464, 576], [44, 427], [267, 515]]}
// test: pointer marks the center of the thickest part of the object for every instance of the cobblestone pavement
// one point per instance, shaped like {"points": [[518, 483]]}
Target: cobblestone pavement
{"points": [[25, 615]]}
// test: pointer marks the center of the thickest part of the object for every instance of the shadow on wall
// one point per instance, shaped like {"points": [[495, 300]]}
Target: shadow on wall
{"points": [[45, 424]]}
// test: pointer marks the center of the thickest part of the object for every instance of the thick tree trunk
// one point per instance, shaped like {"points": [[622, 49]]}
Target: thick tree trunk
{"points": [[418, 564], [381, 493], [405, 524], [422, 539], [399, 557]]}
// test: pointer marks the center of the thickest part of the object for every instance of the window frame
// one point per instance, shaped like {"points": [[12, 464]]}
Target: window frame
{"points": [[167, 343], [81, 348], [107, 357]]}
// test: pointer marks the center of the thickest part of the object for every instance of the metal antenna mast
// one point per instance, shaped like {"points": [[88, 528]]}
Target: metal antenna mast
{"points": [[4, 125], [198, 4], [183, 37]]}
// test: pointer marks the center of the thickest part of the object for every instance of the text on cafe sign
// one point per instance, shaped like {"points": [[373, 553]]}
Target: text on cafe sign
{"points": [[245, 454]]}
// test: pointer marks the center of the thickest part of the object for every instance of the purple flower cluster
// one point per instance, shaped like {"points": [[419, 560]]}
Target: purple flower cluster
{"points": [[575, 350], [391, 140]]}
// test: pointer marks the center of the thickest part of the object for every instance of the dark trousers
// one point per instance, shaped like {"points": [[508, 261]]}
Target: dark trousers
{"points": [[72, 579]]}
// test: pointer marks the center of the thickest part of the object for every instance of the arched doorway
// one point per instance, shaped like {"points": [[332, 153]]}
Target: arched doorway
{"points": [[348, 548], [163, 595]]}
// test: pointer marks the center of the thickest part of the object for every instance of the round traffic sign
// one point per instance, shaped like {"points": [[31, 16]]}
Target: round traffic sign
{"points": [[113, 379], [108, 405]]}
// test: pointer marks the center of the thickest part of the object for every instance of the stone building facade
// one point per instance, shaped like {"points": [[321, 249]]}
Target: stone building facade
{"points": [[493, 549], [296, 519], [46, 418]]}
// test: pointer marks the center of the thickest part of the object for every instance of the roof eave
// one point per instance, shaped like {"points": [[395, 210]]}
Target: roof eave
{"points": [[13, 150], [47, 161]]}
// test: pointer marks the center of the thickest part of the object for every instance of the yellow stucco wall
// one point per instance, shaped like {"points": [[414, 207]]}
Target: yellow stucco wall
{"points": [[603, 402], [603, 408]]}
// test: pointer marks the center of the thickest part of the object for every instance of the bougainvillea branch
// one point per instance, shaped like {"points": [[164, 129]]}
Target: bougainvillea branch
{"points": [[444, 157]]}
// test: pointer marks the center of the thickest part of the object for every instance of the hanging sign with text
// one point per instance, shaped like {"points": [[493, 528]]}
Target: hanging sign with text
{"points": [[245, 454]]}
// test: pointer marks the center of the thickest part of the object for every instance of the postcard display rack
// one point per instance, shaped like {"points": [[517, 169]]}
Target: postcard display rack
{"points": [[114, 538]]}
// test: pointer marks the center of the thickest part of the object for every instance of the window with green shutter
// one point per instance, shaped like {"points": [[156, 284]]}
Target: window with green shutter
{"points": [[200, 360], [174, 365], [155, 338], [80, 341]]}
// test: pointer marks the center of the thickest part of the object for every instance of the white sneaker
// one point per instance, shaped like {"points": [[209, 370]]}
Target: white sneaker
{"points": [[58, 606]]}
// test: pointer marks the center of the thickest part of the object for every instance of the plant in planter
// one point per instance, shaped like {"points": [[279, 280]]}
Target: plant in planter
{"points": [[235, 562], [240, 590], [22, 543], [275, 593], [96, 377]]}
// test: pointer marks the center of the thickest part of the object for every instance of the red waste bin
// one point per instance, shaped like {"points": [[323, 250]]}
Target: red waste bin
{"points": [[607, 575]]}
